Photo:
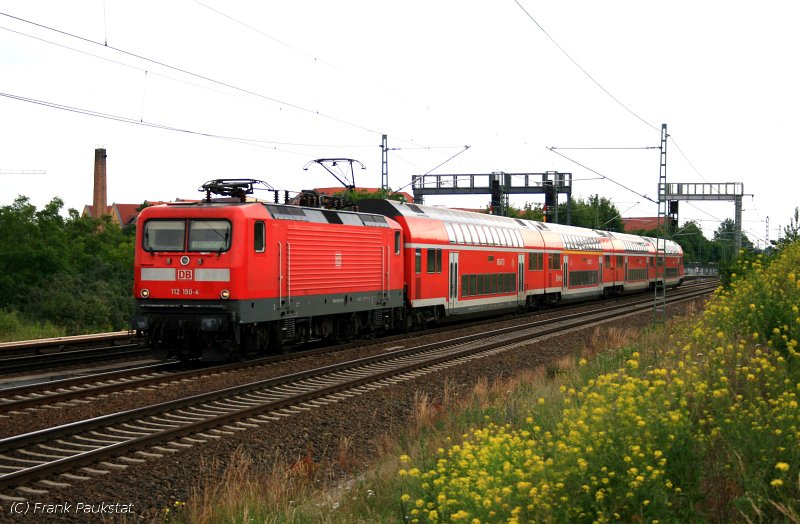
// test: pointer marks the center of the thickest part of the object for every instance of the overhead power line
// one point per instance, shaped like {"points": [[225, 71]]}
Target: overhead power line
{"points": [[266, 35], [590, 77], [242, 140], [553, 149], [199, 76]]}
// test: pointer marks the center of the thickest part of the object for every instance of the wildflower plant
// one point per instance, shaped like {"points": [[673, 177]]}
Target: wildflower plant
{"points": [[708, 428]]}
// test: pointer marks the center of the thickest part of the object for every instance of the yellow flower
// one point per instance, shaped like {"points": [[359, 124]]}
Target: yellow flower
{"points": [[782, 466], [776, 483]]}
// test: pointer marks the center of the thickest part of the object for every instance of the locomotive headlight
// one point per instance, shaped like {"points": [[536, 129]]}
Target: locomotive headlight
{"points": [[224, 294], [145, 293]]}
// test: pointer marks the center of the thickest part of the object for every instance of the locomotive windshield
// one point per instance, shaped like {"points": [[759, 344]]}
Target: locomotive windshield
{"points": [[164, 235], [203, 235], [209, 235]]}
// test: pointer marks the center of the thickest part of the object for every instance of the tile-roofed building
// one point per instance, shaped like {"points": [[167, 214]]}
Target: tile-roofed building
{"points": [[640, 224], [121, 214]]}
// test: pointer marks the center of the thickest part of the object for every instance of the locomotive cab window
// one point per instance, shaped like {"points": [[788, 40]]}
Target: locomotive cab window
{"points": [[209, 235], [259, 237], [397, 242], [164, 235]]}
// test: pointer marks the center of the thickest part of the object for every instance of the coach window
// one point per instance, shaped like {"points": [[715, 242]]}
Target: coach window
{"points": [[472, 233], [451, 234], [495, 238], [504, 238], [434, 261], [459, 234], [467, 234], [259, 237], [397, 242], [418, 261]]}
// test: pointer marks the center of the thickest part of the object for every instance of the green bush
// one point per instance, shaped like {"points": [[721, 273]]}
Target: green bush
{"points": [[73, 272]]}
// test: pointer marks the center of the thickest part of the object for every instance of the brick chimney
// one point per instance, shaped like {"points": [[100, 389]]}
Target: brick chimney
{"points": [[100, 196]]}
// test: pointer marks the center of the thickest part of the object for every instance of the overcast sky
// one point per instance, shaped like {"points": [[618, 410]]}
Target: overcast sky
{"points": [[257, 89]]}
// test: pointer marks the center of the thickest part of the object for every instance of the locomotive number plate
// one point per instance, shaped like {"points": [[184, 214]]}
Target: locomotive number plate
{"points": [[185, 274], [185, 291]]}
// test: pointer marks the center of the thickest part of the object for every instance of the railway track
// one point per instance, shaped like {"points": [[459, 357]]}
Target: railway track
{"points": [[56, 392], [55, 352], [33, 463]]}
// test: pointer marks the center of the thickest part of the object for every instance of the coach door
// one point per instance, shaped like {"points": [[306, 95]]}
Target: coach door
{"points": [[452, 295], [600, 270], [565, 273], [521, 279]]}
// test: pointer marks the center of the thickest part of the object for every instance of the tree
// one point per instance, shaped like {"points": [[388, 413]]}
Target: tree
{"points": [[696, 247], [595, 213], [74, 272], [360, 194], [791, 233], [528, 212], [724, 247]]}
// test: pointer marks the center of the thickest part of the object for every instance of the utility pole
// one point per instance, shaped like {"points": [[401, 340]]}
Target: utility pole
{"points": [[767, 237], [660, 298], [384, 163]]}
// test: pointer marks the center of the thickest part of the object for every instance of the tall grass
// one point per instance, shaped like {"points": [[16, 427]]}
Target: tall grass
{"points": [[13, 328]]}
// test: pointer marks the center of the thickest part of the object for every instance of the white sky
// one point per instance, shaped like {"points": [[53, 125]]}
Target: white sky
{"points": [[317, 78]]}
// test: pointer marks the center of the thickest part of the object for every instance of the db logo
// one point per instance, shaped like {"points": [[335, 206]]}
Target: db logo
{"points": [[337, 259], [185, 274]]}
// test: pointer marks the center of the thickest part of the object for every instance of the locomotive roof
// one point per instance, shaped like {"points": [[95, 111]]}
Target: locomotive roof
{"points": [[326, 216], [290, 212]]}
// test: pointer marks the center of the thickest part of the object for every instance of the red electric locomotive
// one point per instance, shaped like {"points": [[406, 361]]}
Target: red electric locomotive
{"points": [[217, 279]]}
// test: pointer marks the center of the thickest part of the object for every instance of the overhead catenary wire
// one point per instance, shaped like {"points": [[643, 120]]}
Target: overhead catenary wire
{"points": [[590, 77], [118, 118], [266, 35], [200, 76], [601, 175], [606, 91]]}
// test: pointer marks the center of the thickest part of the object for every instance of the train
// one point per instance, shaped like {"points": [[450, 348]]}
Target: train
{"points": [[229, 276]]}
